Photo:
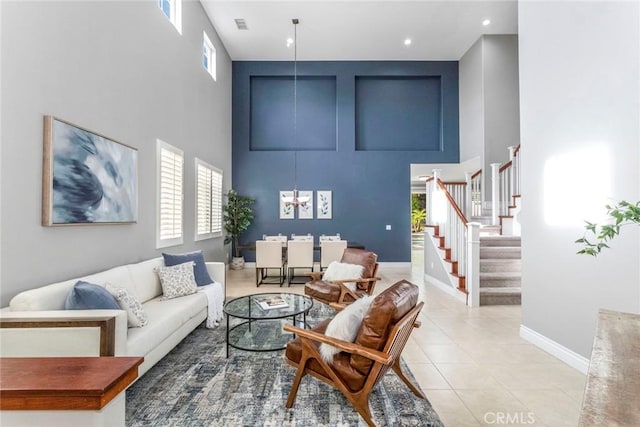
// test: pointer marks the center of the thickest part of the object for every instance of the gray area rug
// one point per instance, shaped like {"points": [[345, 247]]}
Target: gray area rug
{"points": [[196, 385]]}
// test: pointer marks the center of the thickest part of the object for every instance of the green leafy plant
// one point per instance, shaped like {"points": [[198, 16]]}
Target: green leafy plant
{"points": [[237, 216], [418, 217], [624, 213]]}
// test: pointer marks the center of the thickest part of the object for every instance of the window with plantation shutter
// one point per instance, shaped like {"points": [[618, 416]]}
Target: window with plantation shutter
{"points": [[208, 201], [170, 194]]}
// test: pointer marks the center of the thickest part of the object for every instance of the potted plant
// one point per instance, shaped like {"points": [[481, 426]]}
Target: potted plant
{"points": [[237, 216], [596, 236]]}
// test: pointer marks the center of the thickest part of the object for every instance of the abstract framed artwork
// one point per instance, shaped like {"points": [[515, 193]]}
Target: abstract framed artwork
{"points": [[306, 211], [87, 178], [286, 210], [324, 205]]}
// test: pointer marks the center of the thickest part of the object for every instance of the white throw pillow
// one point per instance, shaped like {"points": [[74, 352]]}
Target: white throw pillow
{"points": [[136, 316], [342, 271], [177, 280], [345, 326]]}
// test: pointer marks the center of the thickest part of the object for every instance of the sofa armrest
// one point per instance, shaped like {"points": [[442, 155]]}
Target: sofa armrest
{"points": [[218, 272], [63, 333]]}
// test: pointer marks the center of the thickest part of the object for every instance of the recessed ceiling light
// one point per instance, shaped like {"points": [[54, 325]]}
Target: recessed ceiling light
{"points": [[486, 22], [289, 42], [407, 42]]}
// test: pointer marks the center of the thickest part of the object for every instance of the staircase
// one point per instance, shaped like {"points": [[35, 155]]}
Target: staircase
{"points": [[500, 270]]}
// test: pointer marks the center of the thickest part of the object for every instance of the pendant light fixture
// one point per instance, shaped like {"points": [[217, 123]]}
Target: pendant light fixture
{"points": [[295, 200]]}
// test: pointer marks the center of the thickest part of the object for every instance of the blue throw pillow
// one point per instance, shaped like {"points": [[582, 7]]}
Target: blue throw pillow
{"points": [[87, 296], [199, 268]]}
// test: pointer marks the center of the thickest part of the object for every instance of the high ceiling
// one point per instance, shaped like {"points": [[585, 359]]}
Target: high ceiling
{"points": [[358, 30], [361, 30]]}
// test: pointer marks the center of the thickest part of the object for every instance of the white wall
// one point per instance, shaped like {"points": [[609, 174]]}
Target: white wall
{"points": [[471, 87], [579, 88], [118, 68], [489, 101]]}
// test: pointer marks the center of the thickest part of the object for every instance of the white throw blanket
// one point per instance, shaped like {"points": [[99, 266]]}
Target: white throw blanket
{"points": [[215, 298]]}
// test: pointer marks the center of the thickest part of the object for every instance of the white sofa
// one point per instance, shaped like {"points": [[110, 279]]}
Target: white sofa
{"points": [[46, 329]]}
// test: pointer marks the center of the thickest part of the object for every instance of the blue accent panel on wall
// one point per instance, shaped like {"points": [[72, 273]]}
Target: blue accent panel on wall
{"points": [[372, 188], [398, 113], [272, 113]]}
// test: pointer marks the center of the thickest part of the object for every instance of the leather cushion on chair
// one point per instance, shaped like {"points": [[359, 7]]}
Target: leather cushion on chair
{"points": [[341, 362], [328, 292], [364, 258], [385, 311]]}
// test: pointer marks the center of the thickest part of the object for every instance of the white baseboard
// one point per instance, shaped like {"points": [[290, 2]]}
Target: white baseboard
{"points": [[569, 357], [446, 288], [394, 264]]}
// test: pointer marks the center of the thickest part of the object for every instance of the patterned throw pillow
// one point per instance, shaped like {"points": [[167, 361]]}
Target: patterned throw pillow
{"points": [[136, 317], [177, 280], [199, 269]]}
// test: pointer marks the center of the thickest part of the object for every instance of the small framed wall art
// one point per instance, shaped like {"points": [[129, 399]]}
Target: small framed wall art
{"points": [[324, 204], [306, 211], [286, 209], [87, 178]]}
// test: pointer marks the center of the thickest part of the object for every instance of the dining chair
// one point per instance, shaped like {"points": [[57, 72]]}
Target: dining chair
{"points": [[269, 256], [299, 255], [302, 237], [331, 250]]}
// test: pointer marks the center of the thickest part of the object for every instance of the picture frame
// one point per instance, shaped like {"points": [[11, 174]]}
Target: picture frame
{"points": [[306, 211], [286, 210], [87, 178], [324, 204]]}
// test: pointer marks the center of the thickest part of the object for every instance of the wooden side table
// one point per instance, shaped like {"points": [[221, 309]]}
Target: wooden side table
{"points": [[65, 391]]}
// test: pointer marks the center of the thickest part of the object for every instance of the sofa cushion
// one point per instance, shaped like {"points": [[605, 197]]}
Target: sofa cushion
{"points": [[177, 280], [345, 326], [136, 317], [199, 268], [146, 281], [89, 296], [165, 317]]}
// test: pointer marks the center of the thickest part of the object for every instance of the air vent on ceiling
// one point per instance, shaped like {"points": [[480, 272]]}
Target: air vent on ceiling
{"points": [[241, 24]]}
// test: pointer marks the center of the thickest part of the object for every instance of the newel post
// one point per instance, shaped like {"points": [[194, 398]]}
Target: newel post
{"points": [[512, 173], [467, 195], [473, 264], [495, 192]]}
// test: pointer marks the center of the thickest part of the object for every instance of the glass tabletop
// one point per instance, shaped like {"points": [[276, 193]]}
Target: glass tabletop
{"points": [[249, 307]]}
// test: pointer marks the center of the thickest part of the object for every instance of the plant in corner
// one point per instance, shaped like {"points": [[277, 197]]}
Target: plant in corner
{"points": [[237, 215], [624, 213]]}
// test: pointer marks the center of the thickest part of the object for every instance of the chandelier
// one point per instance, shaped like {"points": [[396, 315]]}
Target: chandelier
{"points": [[295, 200]]}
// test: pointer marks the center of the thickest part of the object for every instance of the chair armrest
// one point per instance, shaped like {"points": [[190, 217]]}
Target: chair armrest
{"points": [[315, 275], [349, 347]]}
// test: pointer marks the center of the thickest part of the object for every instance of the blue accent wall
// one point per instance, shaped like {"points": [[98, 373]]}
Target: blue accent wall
{"points": [[360, 125]]}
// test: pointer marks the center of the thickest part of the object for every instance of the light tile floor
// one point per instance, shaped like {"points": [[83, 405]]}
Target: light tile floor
{"points": [[471, 363]]}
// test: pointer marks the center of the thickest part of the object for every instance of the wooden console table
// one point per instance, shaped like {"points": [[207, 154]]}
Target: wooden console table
{"points": [[613, 381], [79, 390]]}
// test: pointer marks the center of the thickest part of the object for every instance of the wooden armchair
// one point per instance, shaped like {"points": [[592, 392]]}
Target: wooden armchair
{"points": [[337, 291], [360, 365]]}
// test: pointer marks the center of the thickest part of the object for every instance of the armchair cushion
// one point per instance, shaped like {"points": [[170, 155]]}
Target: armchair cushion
{"points": [[345, 326], [341, 362], [385, 311], [364, 258], [327, 291]]}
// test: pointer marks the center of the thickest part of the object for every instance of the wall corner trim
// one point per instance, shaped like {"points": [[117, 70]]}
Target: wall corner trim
{"points": [[569, 357]]}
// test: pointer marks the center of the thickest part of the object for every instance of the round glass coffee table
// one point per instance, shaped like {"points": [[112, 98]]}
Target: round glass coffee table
{"points": [[263, 316]]}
